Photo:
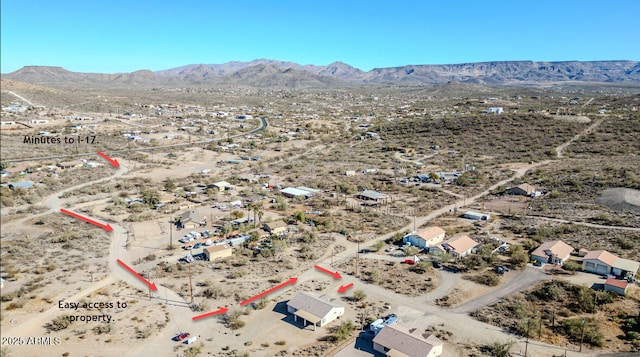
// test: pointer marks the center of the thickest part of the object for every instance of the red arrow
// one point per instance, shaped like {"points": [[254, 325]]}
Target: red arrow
{"points": [[343, 288], [335, 274], [106, 227], [152, 286], [267, 292], [222, 310], [113, 162]]}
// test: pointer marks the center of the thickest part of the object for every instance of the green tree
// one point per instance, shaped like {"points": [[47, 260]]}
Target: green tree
{"points": [[237, 214], [151, 197], [519, 257], [169, 184], [299, 216], [411, 250]]}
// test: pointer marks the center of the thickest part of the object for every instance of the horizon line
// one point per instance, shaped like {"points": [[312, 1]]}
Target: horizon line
{"points": [[319, 65]]}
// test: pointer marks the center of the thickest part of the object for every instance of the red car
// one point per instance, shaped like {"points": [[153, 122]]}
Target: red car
{"points": [[181, 336]]}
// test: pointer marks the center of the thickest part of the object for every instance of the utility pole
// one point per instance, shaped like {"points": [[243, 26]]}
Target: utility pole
{"points": [[190, 280], [171, 233], [526, 346], [581, 335]]}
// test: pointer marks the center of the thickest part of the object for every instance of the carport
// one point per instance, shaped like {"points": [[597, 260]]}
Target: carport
{"points": [[307, 317]]}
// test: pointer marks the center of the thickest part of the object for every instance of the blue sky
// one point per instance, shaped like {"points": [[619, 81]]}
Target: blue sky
{"points": [[124, 36]]}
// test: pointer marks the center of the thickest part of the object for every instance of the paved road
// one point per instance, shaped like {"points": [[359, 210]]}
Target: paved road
{"points": [[520, 280]]}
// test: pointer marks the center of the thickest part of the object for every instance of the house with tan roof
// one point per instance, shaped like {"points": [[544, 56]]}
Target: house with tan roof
{"points": [[217, 251], [524, 190], [605, 263], [316, 310], [278, 228], [425, 238], [395, 341], [554, 252], [459, 246]]}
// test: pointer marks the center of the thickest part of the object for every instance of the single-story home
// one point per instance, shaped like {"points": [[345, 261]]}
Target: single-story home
{"points": [[191, 219], [476, 216], [370, 195], [316, 310], [554, 252], [616, 286], [523, 190], [277, 227], [459, 246], [395, 341], [605, 263], [217, 251], [425, 238], [70, 164], [292, 192], [222, 186]]}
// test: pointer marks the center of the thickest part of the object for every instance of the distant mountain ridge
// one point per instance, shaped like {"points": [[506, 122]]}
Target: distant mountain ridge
{"points": [[273, 73]]}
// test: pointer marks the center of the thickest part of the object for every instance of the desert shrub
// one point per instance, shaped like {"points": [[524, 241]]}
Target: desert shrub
{"points": [[573, 329], [422, 267], [59, 323], [549, 292], [586, 299], [571, 265], [499, 349], [103, 328], [280, 343], [261, 304], [343, 331], [150, 257], [378, 245], [145, 332], [519, 257], [232, 320], [488, 278], [15, 305], [359, 295]]}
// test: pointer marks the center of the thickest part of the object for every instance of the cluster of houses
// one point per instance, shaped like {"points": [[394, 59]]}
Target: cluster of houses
{"points": [[390, 340], [432, 239], [619, 271], [20, 172]]}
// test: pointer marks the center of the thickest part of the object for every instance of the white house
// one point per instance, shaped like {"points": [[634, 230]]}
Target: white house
{"points": [[313, 309], [495, 110], [425, 238]]}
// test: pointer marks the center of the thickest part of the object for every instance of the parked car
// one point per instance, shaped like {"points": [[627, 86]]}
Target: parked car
{"points": [[197, 245], [181, 336], [390, 249]]}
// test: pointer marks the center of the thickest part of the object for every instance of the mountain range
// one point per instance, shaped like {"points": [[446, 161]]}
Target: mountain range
{"points": [[272, 73]]}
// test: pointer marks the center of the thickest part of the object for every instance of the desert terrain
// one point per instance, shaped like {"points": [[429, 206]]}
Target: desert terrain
{"points": [[313, 190]]}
